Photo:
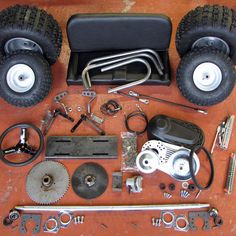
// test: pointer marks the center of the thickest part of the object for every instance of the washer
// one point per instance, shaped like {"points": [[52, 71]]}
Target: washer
{"points": [[185, 185]]}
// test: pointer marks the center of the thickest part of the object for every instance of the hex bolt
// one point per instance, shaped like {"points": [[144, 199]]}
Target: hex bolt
{"points": [[81, 219], [153, 221], [158, 222]]}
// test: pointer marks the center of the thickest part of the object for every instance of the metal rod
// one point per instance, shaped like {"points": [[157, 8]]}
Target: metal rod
{"points": [[140, 81], [115, 208], [144, 101], [134, 94], [215, 139]]}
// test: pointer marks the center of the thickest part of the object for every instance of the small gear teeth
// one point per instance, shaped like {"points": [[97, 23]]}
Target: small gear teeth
{"points": [[47, 182]]}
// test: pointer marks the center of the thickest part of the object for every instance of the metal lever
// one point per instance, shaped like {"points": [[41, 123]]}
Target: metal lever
{"points": [[90, 122], [57, 112], [51, 118], [82, 118]]}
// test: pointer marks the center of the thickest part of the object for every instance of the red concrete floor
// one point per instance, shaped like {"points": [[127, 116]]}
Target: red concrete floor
{"points": [[12, 179]]}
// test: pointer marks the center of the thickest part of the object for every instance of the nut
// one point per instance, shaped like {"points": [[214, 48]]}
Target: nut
{"points": [[162, 186]]}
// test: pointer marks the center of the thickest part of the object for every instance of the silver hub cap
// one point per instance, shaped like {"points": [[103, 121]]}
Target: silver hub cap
{"points": [[20, 78], [214, 42], [207, 76], [15, 44]]}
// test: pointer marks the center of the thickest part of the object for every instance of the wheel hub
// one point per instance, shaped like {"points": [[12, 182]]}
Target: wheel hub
{"points": [[16, 44], [20, 78], [207, 76], [214, 42]]}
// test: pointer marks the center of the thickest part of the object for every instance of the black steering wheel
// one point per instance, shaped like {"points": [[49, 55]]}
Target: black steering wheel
{"points": [[22, 146]]}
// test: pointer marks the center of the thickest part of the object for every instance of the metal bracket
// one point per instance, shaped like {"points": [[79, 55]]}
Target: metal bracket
{"points": [[98, 147], [65, 224], [116, 181], [55, 228], [26, 217], [92, 95], [59, 97], [199, 214], [135, 184], [171, 222]]}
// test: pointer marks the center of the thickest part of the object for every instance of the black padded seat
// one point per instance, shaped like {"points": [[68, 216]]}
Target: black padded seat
{"points": [[95, 35]]}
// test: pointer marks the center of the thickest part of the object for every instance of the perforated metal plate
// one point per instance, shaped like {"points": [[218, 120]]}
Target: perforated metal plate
{"points": [[98, 147]]}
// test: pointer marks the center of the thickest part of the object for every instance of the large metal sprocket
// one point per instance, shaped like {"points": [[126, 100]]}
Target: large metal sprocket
{"points": [[47, 182]]}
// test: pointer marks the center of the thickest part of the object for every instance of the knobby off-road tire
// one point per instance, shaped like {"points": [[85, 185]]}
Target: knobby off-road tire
{"points": [[25, 27], [206, 76], [213, 26], [25, 78]]}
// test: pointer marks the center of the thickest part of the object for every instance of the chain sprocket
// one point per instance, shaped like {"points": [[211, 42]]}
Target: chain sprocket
{"points": [[47, 182]]}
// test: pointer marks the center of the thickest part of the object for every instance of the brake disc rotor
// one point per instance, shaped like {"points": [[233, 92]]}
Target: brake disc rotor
{"points": [[47, 182], [90, 180]]}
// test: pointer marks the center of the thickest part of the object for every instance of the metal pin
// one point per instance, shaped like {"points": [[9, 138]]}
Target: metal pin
{"points": [[216, 136], [198, 194]]}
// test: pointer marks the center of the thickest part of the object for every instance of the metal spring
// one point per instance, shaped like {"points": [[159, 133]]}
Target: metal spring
{"points": [[230, 176]]}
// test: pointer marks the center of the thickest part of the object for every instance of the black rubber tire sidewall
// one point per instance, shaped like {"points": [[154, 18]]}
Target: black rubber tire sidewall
{"points": [[207, 21], [185, 45], [185, 76], [32, 23], [43, 79], [47, 46]]}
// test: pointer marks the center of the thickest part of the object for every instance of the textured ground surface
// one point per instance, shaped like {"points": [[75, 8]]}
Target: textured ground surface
{"points": [[12, 180]]}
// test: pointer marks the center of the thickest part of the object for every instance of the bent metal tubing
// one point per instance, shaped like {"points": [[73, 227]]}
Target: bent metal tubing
{"points": [[120, 57]]}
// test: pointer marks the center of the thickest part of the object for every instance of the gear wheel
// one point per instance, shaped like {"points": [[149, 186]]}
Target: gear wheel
{"points": [[89, 180], [47, 182]]}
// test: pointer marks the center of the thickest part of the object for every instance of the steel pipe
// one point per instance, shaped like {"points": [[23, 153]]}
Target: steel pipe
{"points": [[116, 208]]}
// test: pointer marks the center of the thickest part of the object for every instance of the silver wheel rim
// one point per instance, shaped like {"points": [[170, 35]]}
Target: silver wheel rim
{"points": [[214, 42], [207, 76], [15, 44], [20, 78]]}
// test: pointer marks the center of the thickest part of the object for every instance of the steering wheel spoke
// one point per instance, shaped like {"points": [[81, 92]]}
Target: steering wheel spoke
{"points": [[10, 150], [24, 134], [29, 150]]}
